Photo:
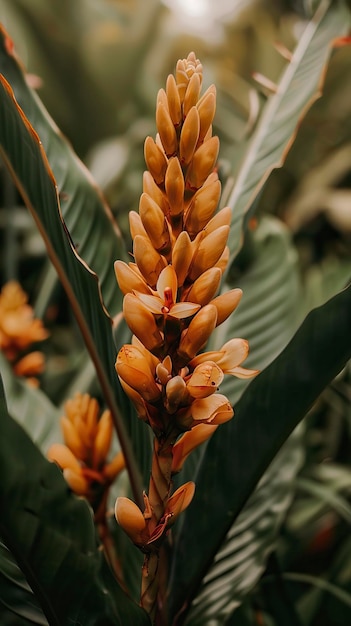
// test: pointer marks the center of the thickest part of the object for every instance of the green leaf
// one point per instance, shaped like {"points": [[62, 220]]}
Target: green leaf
{"points": [[267, 316], [88, 218], [18, 605], [266, 414], [299, 86], [31, 408], [52, 535], [23, 153]]}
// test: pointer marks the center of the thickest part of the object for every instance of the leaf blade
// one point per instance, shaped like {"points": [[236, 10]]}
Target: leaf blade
{"points": [[298, 88], [266, 414]]}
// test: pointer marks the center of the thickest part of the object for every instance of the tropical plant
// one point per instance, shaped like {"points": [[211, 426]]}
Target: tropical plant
{"points": [[198, 507]]}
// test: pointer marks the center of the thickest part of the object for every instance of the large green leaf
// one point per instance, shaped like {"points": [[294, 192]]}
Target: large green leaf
{"points": [[23, 153], [52, 535], [87, 215], [266, 414], [297, 89], [267, 317]]}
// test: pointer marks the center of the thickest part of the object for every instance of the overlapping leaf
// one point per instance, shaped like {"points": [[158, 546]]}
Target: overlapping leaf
{"points": [[297, 89], [267, 317], [24, 155], [52, 535], [89, 220], [266, 414]]}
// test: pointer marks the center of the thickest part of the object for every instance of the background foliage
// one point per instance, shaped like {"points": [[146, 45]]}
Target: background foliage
{"points": [[97, 67]]}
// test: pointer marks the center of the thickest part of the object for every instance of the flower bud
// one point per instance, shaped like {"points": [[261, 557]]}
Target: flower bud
{"points": [[226, 303], [188, 442], [103, 439], [128, 279], [130, 518], [64, 457], [179, 501], [202, 163], [192, 93], [222, 218], [149, 261], [141, 322], [174, 105], [162, 374], [202, 206], [77, 482], [150, 187], [198, 333], [175, 390], [72, 439], [155, 160], [209, 251], [174, 184], [206, 107], [205, 287], [155, 223], [166, 130], [189, 136], [132, 368], [136, 398], [182, 255], [30, 365], [223, 260], [136, 226], [112, 469], [215, 409], [205, 380]]}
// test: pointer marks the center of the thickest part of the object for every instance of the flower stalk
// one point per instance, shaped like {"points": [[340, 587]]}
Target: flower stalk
{"points": [[170, 304]]}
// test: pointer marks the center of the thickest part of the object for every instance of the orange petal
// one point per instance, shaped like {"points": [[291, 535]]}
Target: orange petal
{"points": [[242, 372], [133, 368], [141, 322], [114, 467], [198, 333], [129, 280], [167, 280], [226, 303], [202, 163], [182, 310], [149, 261], [77, 482], [188, 442], [64, 457], [180, 500], [205, 380], [155, 160], [215, 409], [174, 104], [130, 518], [189, 136], [174, 184], [234, 353], [103, 439], [154, 304], [182, 255], [205, 287]]}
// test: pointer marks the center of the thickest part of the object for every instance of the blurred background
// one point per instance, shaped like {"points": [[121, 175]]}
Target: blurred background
{"points": [[97, 66]]}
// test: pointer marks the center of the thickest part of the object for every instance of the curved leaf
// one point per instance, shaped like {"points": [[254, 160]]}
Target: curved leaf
{"points": [[18, 605], [31, 408], [267, 317], [297, 89], [86, 213], [23, 153], [266, 414], [52, 535]]}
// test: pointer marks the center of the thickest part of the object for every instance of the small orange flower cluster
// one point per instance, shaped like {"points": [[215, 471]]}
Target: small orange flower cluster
{"points": [[18, 330], [170, 301], [87, 444]]}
